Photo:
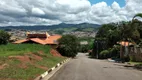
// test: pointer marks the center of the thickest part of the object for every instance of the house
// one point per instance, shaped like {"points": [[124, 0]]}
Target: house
{"points": [[44, 39], [124, 49], [84, 42], [125, 43]]}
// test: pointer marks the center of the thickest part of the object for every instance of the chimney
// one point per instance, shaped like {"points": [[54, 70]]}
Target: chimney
{"points": [[47, 35], [27, 33]]}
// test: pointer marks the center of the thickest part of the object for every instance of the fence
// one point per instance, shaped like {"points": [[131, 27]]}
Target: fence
{"points": [[135, 53]]}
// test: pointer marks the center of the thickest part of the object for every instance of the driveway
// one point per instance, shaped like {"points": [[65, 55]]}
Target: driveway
{"points": [[84, 68]]}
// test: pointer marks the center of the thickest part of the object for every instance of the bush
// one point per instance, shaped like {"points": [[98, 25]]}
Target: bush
{"points": [[132, 58], [104, 54], [110, 53], [4, 37], [115, 52], [68, 45]]}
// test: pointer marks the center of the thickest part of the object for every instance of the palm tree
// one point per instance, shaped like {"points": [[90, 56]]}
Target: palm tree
{"points": [[135, 32], [137, 15]]}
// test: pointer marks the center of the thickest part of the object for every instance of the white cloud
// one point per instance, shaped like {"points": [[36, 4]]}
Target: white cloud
{"points": [[115, 6], [48, 12], [37, 11], [72, 6]]}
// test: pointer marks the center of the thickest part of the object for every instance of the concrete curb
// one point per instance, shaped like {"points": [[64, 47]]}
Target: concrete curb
{"points": [[50, 70]]}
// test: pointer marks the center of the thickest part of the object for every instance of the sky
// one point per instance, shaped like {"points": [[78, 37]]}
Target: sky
{"points": [[109, 2], [52, 12]]}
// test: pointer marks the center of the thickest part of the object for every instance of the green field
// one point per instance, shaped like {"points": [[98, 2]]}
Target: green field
{"points": [[12, 70]]}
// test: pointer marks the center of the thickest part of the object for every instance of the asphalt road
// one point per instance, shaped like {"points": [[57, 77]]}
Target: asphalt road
{"points": [[84, 68]]}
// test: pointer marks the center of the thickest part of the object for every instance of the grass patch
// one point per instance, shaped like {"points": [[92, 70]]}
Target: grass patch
{"points": [[135, 63], [13, 72], [20, 49], [50, 61]]}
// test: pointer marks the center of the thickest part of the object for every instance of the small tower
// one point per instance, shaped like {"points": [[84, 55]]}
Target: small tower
{"points": [[47, 35], [27, 33]]}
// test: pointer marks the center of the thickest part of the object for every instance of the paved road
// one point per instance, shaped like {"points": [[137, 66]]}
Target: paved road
{"points": [[84, 68]]}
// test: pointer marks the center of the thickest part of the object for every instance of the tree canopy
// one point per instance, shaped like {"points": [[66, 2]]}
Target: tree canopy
{"points": [[68, 45], [4, 37]]}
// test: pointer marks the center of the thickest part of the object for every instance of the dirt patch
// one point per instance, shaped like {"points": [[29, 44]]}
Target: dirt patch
{"points": [[55, 53], [3, 66], [36, 57], [24, 58], [29, 58], [40, 52]]}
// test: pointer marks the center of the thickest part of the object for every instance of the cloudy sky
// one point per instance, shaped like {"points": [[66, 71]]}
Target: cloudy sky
{"points": [[50, 12]]}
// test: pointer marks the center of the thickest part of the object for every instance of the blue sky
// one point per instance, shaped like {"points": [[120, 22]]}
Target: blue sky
{"points": [[109, 2]]}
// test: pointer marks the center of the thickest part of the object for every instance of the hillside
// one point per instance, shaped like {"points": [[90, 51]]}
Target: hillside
{"points": [[53, 27], [26, 61]]}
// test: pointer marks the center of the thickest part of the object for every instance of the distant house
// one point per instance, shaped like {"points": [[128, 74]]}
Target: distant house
{"points": [[124, 49], [44, 39], [125, 43], [84, 42]]}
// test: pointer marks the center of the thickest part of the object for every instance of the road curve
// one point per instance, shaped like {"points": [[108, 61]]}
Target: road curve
{"points": [[84, 68]]}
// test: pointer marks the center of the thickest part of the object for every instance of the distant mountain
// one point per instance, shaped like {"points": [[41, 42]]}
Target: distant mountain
{"points": [[62, 25]]}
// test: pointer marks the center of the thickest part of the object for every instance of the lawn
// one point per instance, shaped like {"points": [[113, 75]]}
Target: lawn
{"points": [[20, 49], [14, 68]]}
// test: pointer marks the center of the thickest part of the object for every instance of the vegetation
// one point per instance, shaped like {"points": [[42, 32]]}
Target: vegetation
{"points": [[68, 45], [20, 49], [85, 47], [39, 60], [109, 34], [137, 65], [110, 53], [4, 37]]}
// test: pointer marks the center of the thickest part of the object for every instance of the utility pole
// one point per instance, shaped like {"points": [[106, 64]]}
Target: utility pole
{"points": [[121, 52], [97, 56]]}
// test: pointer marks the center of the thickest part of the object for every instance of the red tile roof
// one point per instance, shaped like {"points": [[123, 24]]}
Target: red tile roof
{"points": [[37, 40], [21, 41], [49, 40], [124, 43], [36, 35]]}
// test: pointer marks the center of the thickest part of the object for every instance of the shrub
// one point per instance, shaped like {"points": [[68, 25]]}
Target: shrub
{"points": [[104, 54], [4, 37], [68, 45], [110, 53], [132, 58], [115, 52]]}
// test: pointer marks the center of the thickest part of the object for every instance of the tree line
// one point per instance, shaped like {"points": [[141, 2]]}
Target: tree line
{"points": [[107, 37]]}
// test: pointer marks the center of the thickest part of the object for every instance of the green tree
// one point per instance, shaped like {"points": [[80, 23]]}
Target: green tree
{"points": [[68, 45], [4, 37], [110, 32], [104, 30], [134, 26]]}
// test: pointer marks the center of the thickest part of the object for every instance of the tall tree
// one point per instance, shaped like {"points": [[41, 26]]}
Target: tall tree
{"points": [[134, 26], [137, 15]]}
